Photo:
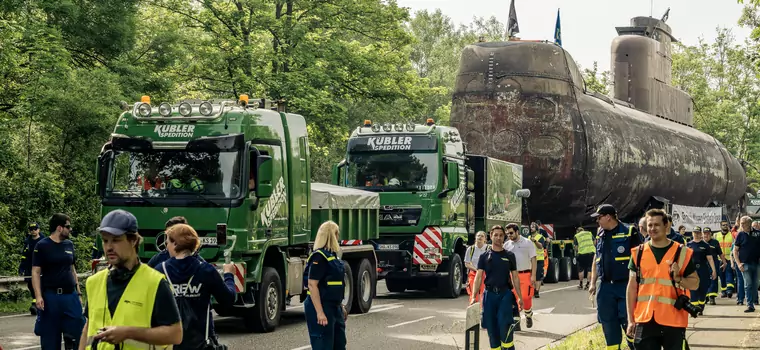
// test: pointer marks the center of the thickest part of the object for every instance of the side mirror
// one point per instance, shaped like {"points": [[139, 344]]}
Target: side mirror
{"points": [[470, 180], [104, 162], [523, 193], [336, 172], [452, 173], [264, 176]]}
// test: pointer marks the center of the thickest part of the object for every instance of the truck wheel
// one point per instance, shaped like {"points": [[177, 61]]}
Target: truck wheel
{"points": [[451, 286], [552, 272], [267, 311], [395, 286], [565, 268], [574, 272], [365, 287], [348, 285]]}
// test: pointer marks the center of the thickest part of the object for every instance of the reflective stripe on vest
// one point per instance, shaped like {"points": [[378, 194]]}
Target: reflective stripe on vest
{"points": [[135, 308], [539, 251], [328, 283], [656, 294], [585, 242]]}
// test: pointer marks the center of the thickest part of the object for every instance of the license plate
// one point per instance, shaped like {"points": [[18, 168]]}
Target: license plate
{"points": [[428, 267], [208, 240], [387, 246]]}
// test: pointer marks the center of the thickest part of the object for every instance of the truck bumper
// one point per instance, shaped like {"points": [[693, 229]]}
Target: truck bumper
{"points": [[399, 264]]}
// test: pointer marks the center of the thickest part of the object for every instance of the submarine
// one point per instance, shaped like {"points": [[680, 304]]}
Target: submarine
{"points": [[526, 102]]}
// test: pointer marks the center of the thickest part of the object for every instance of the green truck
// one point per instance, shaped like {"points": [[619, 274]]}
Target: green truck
{"points": [[434, 197], [240, 174]]}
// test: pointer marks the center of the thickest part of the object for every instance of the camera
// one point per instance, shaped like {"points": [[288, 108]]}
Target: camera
{"points": [[683, 303]]}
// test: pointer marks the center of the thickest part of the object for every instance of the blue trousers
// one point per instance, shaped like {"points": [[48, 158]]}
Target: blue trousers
{"points": [[612, 314], [712, 290], [699, 295], [330, 337], [739, 285], [750, 283], [497, 319], [727, 280], [62, 317]]}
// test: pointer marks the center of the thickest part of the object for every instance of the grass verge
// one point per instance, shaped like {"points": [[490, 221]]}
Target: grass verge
{"points": [[584, 339], [8, 307]]}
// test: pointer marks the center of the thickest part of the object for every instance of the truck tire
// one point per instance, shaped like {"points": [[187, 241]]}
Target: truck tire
{"points": [[565, 268], [394, 285], [574, 272], [552, 272], [451, 286], [348, 285], [269, 299], [366, 283]]}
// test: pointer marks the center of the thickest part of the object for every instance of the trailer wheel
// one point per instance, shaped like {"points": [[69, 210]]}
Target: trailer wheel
{"points": [[565, 268], [574, 272], [395, 285], [365, 287], [267, 311], [451, 286], [552, 271], [348, 285]]}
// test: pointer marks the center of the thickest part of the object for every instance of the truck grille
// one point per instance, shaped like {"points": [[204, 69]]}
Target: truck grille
{"points": [[152, 239], [400, 215]]}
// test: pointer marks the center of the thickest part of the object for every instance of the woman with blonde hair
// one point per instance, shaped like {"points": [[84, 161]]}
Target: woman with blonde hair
{"points": [[323, 277], [195, 281]]}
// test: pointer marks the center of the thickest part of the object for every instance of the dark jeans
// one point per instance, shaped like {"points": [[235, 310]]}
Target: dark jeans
{"points": [[750, 283], [656, 337]]}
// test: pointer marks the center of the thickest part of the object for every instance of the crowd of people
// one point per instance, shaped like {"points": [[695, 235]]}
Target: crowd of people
{"points": [[647, 280]]}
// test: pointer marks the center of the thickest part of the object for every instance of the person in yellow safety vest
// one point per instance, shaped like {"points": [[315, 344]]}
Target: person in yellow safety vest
{"points": [[129, 306], [726, 241], [539, 240], [585, 247]]}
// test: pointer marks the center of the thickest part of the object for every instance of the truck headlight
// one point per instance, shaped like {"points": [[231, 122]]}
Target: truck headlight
{"points": [[206, 108], [185, 109], [144, 110], [165, 109]]}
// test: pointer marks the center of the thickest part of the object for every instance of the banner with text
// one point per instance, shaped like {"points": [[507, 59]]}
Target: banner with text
{"points": [[696, 216]]}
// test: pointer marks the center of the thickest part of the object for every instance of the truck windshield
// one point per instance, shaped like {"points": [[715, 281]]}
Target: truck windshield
{"points": [[169, 174], [378, 171]]}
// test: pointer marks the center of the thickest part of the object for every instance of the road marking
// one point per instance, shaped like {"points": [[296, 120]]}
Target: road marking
{"points": [[28, 347], [384, 307], [556, 289], [410, 322], [18, 315], [301, 348]]}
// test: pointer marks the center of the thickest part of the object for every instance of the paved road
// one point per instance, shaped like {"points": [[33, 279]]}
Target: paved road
{"points": [[396, 321]]}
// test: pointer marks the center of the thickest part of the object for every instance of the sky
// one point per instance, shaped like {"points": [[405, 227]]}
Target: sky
{"points": [[588, 26]]}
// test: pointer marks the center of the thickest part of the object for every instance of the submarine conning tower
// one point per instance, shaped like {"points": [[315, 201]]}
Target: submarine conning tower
{"points": [[641, 66]]}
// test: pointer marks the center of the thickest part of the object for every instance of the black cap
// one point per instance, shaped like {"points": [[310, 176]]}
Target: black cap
{"points": [[706, 229], [604, 209], [118, 222], [696, 229], [33, 226]]}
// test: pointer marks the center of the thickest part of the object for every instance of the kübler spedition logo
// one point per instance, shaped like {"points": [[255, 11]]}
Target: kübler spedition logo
{"points": [[390, 143], [174, 130]]}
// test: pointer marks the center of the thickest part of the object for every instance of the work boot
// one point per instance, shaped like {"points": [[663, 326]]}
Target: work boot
{"points": [[730, 295], [529, 322], [535, 295], [712, 300], [750, 308], [517, 326]]}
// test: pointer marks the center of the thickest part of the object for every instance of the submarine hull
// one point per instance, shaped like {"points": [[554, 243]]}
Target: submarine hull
{"points": [[525, 102]]}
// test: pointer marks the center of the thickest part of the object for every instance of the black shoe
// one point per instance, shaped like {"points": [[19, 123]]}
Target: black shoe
{"points": [[587, 284], [517, 327], [750, 309], [536, 295], [529, 322], [730, 295], [580, 286]]}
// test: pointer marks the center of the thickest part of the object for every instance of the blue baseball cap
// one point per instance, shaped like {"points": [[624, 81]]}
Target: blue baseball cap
{"points": [[118, 222]]}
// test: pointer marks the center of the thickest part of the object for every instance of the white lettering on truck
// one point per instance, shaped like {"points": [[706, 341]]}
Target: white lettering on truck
{"points": [[390, 143], [279, 196], [174, 130]]}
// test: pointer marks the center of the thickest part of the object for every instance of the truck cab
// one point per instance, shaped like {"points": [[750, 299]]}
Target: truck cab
{"points": [[427, 207]]}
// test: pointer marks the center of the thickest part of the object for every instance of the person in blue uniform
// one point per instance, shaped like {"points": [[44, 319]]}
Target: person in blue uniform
{"points": [[25, 267], [163, 255], [613, 252], [59, 307], [325, 314], [718, 260], [703, 261], [500, 268]]}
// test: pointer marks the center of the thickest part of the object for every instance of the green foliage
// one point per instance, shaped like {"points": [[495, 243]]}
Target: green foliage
{"points": [[597, 81]]}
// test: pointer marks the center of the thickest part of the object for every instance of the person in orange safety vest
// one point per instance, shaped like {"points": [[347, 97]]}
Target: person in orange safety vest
{"points": [[657, 302]]}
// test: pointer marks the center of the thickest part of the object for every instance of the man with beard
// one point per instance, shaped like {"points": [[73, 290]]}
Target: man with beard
{"points": [[147, 313], [525, 259], [56, 287], [726, 240]]}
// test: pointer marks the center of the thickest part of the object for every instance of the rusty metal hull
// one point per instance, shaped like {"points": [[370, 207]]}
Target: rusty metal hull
{"points": [[524, 102]]}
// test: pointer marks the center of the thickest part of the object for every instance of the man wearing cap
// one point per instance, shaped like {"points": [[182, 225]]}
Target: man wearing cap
{"points": [[613, 252], [25, 268], [719, 260], [130, 304], [56, 288]]}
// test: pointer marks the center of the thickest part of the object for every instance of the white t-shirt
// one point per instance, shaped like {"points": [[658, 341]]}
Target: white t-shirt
{"points": [[473, 254], [523, 250]]}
